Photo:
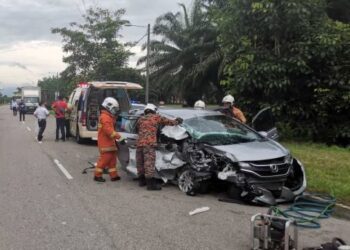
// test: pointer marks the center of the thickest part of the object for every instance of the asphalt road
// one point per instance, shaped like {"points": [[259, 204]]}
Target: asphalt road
{"points": [[40, 208]]}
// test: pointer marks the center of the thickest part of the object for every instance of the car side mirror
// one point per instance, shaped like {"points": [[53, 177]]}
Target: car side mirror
{"points": [[263, 133]]}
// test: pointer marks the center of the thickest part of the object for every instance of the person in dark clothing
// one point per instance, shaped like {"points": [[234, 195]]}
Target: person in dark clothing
{"points": [[22, 111], [60, 107]]}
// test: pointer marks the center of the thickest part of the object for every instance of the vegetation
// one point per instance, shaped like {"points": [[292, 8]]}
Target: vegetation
{"points": [[93, 49], [51, 85], [327, 168], [4, 99], [291, 55], [185, 63]]}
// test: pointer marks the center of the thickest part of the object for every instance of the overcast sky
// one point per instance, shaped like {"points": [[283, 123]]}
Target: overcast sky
{"points": [[28, 50]]}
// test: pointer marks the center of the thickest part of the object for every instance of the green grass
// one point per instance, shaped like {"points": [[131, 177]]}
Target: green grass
{"points": [[327, 168]]}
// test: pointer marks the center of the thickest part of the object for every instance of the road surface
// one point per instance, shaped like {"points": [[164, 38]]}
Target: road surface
{"points": [[43, 207]]}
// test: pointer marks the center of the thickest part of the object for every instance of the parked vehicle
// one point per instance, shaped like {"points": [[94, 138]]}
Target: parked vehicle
{"points": [[211, 147], [31, 97], [85, 103]]}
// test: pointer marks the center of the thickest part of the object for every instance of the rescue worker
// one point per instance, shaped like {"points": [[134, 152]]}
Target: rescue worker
{"points": [[231, 110], [106, 140], [199, 104], [147, 127]]}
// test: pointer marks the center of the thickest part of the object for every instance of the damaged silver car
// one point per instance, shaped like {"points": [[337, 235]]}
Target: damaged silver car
{"points": [[210, 147]]}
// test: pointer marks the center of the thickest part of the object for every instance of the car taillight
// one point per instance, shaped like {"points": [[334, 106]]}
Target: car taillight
{"points": [[83, 118]]}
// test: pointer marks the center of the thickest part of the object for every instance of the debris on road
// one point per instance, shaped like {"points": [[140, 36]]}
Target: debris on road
{"points": [[199, 210]]}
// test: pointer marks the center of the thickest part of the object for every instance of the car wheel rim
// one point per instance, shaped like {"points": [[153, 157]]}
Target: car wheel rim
{"points": [[185, 181]]}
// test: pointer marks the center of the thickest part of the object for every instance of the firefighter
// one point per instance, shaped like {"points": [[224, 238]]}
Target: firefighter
{"points": [[231, 110], [199, 104], [106, 140], [147, 127]]}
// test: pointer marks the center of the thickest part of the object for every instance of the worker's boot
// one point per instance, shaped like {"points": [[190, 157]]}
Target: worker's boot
{"points": [[99, 179], [152, 184], [117, 178], [142, 180]]}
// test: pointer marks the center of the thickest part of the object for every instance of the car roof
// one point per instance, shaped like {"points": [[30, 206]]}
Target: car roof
{"points": [[187, 113], [116, 84], [111, 84]]}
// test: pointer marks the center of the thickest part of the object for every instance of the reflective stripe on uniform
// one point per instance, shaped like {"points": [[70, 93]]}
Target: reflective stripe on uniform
{"points": [[100, 170], [113, 134], [108, 149], [112, 170]]}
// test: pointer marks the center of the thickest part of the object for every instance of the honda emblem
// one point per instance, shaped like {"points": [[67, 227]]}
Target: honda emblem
{"points": [[274, 168]]}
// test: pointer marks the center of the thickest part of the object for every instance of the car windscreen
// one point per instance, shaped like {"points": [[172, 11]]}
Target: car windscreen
{"points": [[219, 130], [31, 99]]}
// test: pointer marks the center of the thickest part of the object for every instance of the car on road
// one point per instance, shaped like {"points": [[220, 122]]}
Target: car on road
{"points": [[210, 147], [85, 101]]}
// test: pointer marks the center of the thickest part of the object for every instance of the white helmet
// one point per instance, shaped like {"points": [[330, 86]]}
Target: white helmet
{"points": [[228, 98], [151, 107], [111, 105], [199, 104]]}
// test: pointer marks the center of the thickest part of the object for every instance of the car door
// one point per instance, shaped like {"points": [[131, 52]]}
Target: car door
{"points": [[264, 121], [126, 126], [73, 101]]}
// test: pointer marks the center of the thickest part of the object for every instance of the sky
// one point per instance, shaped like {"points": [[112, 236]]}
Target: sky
{"points": [[28, 49]]}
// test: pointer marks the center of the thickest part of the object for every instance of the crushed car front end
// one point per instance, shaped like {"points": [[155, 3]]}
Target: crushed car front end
{"points": [[256, 169]]}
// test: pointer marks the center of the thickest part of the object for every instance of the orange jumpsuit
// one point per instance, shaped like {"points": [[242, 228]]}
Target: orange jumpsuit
{"points": [[238, 114], [107, 145]]}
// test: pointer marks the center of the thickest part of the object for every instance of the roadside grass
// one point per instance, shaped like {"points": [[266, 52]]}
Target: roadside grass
{"points": [[327, 168]]}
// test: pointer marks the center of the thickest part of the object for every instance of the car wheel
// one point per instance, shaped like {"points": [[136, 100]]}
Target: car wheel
{"points": [[186, 181], [234, 192], [203, 187]]}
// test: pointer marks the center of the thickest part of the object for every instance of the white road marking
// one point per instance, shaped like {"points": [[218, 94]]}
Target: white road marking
{"points": [[64, 171], [28, 128]]}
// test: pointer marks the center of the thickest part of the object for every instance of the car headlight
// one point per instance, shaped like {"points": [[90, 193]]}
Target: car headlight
{"points": [[244, 165], [288, 159]]}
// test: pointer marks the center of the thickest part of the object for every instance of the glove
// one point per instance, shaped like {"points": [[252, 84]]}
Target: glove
{"points": [[179, 120], [122, 141]]}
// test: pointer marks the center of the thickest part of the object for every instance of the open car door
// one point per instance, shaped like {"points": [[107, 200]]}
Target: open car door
{"points": [[264, 121], [126, 126]]}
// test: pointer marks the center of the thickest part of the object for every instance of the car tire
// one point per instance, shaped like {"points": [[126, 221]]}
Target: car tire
{"points": [[203, 187], [234, 192], [186, 181]]}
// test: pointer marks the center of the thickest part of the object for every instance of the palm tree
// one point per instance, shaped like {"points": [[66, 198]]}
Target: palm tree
{"points": [[186, 62]]}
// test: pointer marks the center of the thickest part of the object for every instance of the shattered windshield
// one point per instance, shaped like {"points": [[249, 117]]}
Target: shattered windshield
{"points": [[219, 130]]}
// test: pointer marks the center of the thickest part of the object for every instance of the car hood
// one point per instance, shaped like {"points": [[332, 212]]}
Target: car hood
{"points": [[254, 151]]}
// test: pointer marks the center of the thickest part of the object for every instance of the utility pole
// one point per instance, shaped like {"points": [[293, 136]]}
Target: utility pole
{"points": [[147, 63], [147, 57]]}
